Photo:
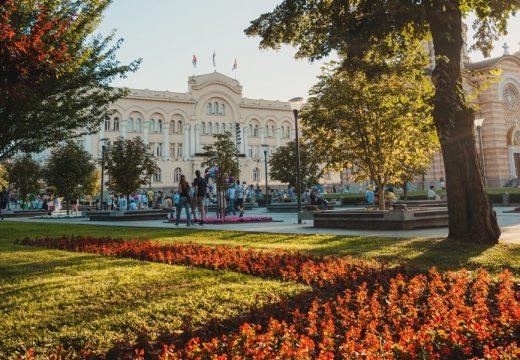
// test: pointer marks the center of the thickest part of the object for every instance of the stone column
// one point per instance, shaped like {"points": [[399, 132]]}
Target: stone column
{"points": [[197, 139], [262, 135], [146, 131], [123, 124], [246, 142], [243, 148], [192, 140], [166, 141], [88, 144], [186, 144], [101, 135]]}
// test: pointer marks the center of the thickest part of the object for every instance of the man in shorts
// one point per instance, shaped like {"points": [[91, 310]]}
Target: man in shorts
{"points": [[200, 186], [240, 193]]}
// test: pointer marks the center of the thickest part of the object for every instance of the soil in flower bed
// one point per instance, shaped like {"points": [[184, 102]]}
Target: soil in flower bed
{"points": [[357, 309], [229, 219]]}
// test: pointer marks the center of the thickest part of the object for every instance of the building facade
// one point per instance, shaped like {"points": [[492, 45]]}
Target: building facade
{"points": [[178, 125], [498, 108]]}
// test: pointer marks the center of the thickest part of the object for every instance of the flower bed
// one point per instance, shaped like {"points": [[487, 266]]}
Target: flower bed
{"points": [[357, 309], [229, 219]]}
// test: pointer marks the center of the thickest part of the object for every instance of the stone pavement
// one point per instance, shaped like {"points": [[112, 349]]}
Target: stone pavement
{"points": [[288, 224]]}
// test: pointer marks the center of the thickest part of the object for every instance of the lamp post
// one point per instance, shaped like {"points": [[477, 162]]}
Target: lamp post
{"points": [[103, 148], [265, 148], [478, 125], [296, 105]]}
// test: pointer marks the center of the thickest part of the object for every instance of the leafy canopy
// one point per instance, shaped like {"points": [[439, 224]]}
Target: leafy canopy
{"points": [[283, 165], [70, 172], [55, 73], [130, 164], [24, 175], [378, 123], [222, 153]]}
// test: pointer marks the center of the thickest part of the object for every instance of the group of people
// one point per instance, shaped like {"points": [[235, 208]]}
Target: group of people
{"points": [[372, 195]]}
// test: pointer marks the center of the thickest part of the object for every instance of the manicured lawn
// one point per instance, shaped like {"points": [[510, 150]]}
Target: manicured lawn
{"points": [[422, 252], [48, 297]]}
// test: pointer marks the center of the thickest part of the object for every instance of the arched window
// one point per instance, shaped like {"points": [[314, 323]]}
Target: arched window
{"points": [[116, 124], [172, 127], [516, 138], [138, 125], [177, 175], [107, 123], [255, 130], [179, 124], [210, 107], [210, 128], [203, 128], [273, 130], [217, 128], [158, 149], [157, 177], [222, 109], [267, 131], [256, 174], [151, 126], [130, 125], [159, 126], [215, 108]]}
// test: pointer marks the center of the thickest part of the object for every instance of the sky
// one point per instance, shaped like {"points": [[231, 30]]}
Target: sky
{"points": [[166, 34]]}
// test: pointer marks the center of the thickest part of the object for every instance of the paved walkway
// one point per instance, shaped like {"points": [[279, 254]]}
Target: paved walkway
{"points": [[288, 224]]}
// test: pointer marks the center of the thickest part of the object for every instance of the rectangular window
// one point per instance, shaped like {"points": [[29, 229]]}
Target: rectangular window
{"points": [[152, 148], [250, 151], [158, 150], [172, 149], [179, 150]]}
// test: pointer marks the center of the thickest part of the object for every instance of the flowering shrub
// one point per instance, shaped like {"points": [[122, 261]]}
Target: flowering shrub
{"points": [[328, 272], [357, 309], [230, 219]]}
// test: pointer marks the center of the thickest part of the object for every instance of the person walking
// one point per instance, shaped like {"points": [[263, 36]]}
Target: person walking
{"points": [[200, 186], [240, 194], [184, 200], [4, 200], [231, 194]]}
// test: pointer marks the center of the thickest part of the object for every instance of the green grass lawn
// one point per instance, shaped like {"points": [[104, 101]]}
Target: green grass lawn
{"points": [[49, 297]]}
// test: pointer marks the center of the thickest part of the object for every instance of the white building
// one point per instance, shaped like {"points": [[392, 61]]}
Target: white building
{"points": [[178, 125]]}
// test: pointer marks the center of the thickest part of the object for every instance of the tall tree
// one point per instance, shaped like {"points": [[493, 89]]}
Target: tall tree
{"points": [[353, 27], [371, 122], [69, 172], [283, 165], [3, 177], [55, 73], [130, 165], [24, 175], [222, 154]]}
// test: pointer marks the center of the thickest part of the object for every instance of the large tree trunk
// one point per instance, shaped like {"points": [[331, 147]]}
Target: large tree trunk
{"points": [[381, 196], [471, 216]]}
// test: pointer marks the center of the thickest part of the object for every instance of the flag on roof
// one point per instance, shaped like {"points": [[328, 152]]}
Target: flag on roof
{"points": [[214, 54], [194, 60], [235, 65]]}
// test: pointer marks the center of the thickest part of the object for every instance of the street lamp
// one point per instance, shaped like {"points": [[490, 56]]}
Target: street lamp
{"points": [[296, 105], [478, 125], [265, 148], [104, 142]]}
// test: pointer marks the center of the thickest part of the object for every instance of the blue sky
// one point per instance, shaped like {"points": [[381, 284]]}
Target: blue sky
{"points": [[165, 33]]}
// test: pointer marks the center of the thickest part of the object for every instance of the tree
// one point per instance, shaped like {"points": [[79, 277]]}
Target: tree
{"points": [[69, 172], [3, 177], [130, 165], [24, 175], [371, 122], [352, 28], [55, 73], [222, 154], [283, 165]]}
